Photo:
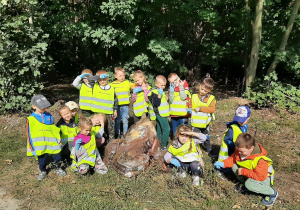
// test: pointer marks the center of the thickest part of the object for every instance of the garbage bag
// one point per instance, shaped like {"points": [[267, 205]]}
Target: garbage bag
{"points": [[130, 156]]}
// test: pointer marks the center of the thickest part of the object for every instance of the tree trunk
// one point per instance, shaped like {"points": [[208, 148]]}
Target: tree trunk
{"points": [[256, 38], [285, 36], [247, 36]]}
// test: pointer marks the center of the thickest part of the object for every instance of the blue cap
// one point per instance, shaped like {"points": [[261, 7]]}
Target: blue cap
{"points": [[242, 114]]}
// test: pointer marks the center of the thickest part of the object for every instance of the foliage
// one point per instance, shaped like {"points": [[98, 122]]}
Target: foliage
{"points": [[23, 57], [271, 92]]}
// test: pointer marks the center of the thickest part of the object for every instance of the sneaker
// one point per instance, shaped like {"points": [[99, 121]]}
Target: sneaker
{"points": [[42, 175], [196, 180], [240, 188], [163, 148], [270, 199], [60, 172], [179, 174], [222, 176]]}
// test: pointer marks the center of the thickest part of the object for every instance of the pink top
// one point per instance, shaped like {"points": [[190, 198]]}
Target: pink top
{"points": [[146, 93], [85, 139]]}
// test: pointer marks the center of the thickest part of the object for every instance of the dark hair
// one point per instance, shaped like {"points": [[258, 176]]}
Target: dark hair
{"points": [[184, 128], [209, 83], [245, 140]]}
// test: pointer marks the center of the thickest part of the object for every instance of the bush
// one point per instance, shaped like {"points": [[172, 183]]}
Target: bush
{"points": [[270, 92]]}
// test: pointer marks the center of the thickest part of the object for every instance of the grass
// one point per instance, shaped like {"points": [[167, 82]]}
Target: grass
{"points": [[155, 188]]}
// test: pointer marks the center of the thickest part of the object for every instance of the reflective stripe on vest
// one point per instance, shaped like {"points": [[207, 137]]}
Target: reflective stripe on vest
{"points": [[122, 90], [140, 105], [85, 97], [183, 153], [68, 134], [251, 164], [223, 154], [200, 119], [164, 108], [103, 100], [178, 107], [91, 149], [45, 138]]}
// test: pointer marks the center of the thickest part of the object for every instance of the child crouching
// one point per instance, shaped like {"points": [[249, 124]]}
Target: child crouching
{"points": [[84, 153], [185, 153]]}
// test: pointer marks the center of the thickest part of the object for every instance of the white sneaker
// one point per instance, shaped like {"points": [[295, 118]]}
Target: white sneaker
{"points": [[42, 175], [196, 180], [182, 175]]}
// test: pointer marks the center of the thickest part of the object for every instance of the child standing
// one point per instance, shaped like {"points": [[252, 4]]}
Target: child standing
{"points": [[68, 128], [85, 95], [140, 96], [160, 106], [252, 167], [74, 110], [202, 109], [122, 89], [104, 100], [185, 153], [179, 97], [43, 137], [84, 153]]}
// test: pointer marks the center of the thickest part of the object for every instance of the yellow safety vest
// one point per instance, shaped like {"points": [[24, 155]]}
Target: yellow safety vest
{"points": [[183, 153], [85, 97], [140, 105], [178, 107], [103, 100], [251, 164], [68, 134], [201, 119], [76, 119], [90, 159], [223, 154], [122, 90], [45, 138], [163, 109]]}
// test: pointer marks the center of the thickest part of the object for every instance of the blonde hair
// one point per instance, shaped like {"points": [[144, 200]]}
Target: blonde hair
{"points": [[83, 121], [172, 75], [139, 74], [62, 107], [160, 78], [184, 128], [87, 71], [117, 69]]}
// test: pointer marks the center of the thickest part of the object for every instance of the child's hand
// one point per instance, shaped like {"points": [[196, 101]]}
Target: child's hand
{"points": [[181, 82], [103, 76], [137, 89], [188, 133], [189, 111], [115, 114], [172, 88], [77, 145], [60, 143], [240, 171], [197, 109], [83, 76], [219, 164], [160, 91], [175, 162]]}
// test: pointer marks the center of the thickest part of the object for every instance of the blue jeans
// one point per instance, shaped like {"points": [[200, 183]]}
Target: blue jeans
{"points": [[42, 160], [176, 121], [123, 114]]}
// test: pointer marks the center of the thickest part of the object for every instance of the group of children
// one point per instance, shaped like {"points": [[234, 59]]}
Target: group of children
{"points": [[79, 136]]}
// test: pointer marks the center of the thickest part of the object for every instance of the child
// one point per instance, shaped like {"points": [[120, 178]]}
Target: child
{"points": [[122, 89], [160, 106], [74, 110], [140, 95], [84, 153], [234, 129], [202, 108], [67, 127], [251, 166], [43, 137], [98, 121], [85, 95], [104, 100], [185, 153], [179, 97]]}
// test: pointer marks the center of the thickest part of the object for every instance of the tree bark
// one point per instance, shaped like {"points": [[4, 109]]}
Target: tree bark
{"points": [[247, 29], [256, 38], [285, 36]]}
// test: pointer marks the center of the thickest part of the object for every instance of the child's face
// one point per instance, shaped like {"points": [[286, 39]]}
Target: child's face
{"points": [[139, 81], [160, 84], [103, 82], [66, 115], [244, 152], [203, 90], [85, 129], [120, 76], [74, 112], [183, 138], [37, 110], [174, 80]]}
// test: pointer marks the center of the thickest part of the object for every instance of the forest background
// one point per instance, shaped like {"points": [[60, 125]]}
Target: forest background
{"points": [[237, 42]]}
